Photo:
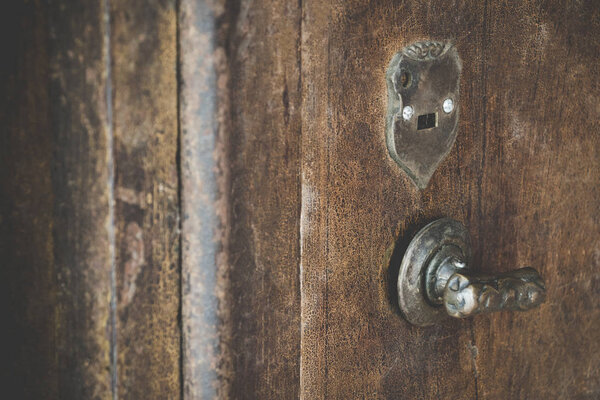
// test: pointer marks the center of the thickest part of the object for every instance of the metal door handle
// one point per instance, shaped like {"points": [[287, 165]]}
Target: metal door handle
{"points": [[436, 281]]}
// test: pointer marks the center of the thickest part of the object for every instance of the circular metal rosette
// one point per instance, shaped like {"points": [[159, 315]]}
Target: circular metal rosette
{"points": [[439, 237]]}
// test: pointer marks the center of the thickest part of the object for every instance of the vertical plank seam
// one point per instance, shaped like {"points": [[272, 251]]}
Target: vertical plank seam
{"points": [[482, 165], [301, 204], [327, 208], [299, 190], [111, 201], [179, 195]]}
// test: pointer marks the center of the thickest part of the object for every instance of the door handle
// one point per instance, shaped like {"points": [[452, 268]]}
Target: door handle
{"points": [[436, 279]]}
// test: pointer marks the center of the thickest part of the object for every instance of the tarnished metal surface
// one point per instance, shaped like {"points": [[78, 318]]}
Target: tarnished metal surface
{"points": [[468, 295], [434, 280], [439, 236], [419, 130]]}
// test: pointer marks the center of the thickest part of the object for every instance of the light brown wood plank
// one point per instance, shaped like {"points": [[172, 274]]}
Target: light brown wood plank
{"points": [[144, 78]]}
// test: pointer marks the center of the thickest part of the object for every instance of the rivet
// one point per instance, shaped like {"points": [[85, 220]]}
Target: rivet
{"points": [[407, 113], [448, 106]]}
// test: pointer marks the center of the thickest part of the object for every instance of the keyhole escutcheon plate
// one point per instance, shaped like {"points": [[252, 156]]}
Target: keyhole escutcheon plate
{"points": [[423, 98]]}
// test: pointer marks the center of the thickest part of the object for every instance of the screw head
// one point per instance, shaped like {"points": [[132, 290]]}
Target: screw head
{"points": [[448, 106], [407, 113]]}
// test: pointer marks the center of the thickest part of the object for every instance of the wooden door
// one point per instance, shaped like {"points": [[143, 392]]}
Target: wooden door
{"points": [[197, 199], [523, 176]]}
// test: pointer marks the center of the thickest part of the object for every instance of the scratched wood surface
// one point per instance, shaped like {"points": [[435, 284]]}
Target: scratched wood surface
{"points": [[523, 176], [56, 245], [264, 150], [92, 267], [540, 198], [260, 125], [356, 203]]}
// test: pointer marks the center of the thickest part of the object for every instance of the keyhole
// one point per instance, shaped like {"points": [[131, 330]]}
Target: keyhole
{"points": [[427, 121]]}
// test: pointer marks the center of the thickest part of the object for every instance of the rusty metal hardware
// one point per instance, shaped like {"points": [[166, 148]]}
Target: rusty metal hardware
{"points": [[422, 116], [435, 280]]}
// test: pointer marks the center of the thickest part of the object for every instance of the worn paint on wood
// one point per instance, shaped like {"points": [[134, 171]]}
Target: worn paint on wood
{"points": [[204, 226], [241, 107]]}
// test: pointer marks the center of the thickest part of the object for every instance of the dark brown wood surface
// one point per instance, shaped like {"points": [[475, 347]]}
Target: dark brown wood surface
{"points": [[81, 170], [356, 202], [28, 295], [91, 269], [523, 175], [197, 201], [264, 156], [540, 198]]}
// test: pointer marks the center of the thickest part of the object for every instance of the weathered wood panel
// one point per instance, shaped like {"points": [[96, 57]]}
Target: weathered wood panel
{"points": [[144, 78], [241, 96], [291, 206], [523, 176], [356, 202], [83, 232], [540, 198], [264, 90]]}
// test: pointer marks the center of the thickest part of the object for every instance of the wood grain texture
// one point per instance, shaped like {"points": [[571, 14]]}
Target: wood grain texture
{"points": [[264, 86], [356, 202], [144, 79], [83, 239], [522, 175], [540, 198], [294, 218]]}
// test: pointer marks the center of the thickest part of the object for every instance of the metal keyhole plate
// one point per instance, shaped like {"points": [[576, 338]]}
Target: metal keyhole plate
{"points": [[423, 94]]}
